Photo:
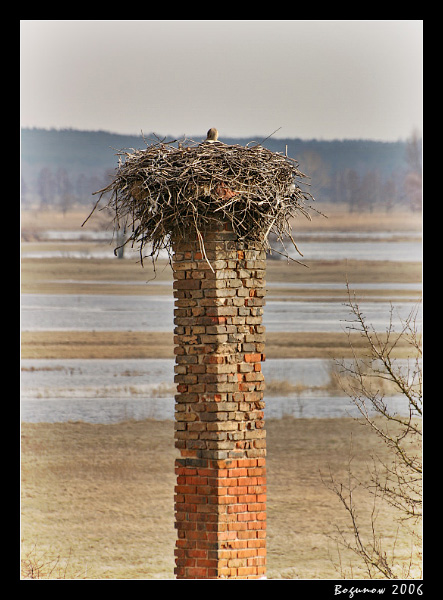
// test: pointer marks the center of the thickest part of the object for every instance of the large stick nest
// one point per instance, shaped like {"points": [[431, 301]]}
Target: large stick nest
{"points": [[165, 191]]}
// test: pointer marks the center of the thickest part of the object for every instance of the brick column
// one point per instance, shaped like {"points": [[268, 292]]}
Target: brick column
{"points": [[220, 496]]}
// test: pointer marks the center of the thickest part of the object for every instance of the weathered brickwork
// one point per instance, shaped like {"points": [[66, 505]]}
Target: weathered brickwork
{"points": [[220, 497]]}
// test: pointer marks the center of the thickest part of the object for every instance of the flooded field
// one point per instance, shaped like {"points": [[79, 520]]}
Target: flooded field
{"points": [[113, 390], [97, 394], [113, 296], [45, 312], [318, 245]]}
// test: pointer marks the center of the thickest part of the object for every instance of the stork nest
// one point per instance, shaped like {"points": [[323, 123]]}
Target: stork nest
{"points": [[164, 191]]}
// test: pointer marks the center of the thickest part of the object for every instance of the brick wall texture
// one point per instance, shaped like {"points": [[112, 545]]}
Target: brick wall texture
{"points": [[220, 496]]}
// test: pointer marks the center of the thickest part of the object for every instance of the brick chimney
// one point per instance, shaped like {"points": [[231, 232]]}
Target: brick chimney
{"points": [[220, 496]]}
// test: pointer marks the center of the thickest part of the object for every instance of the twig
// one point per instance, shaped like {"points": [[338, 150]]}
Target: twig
{"points": [[163, 190]]}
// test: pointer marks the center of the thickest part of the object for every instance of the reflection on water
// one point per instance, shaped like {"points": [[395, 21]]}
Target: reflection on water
{"points": [[109, 391], [101, 312]]}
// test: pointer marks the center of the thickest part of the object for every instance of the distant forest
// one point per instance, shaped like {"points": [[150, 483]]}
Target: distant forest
{"points": [[63, 168]]}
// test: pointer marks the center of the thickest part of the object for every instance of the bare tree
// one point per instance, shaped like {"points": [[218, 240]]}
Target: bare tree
{"points": [[370, 187], [389, 194], [413, 178], [319, 173], [351, 188], [397, 480], [46, 187]]}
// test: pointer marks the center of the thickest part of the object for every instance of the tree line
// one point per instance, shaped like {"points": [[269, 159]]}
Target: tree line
{"points": [[363, 188], [63, 168], [60, 189]]}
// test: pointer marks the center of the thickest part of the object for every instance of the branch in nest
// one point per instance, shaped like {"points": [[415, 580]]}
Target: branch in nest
{"points": [[164, 189]]}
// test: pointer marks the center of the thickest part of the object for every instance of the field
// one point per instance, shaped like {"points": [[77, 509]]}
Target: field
{"points": [[97, 500]]}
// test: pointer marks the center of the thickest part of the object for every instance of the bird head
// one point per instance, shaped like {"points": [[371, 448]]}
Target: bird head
{"points": [[212, 135]]}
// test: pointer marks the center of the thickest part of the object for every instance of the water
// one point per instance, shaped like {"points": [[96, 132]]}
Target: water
{"points": [[116, 410], [347, 236], [280, 316], [346, 245], [110, 391], [101, 312], [410, 251], [96, 391], [337, 286]]}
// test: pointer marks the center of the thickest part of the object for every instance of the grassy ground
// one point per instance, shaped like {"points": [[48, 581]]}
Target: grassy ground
{"points": [[77, 276], [141, 344], [97, 500]]}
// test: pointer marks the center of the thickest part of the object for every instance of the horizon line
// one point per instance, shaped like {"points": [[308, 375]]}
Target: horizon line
{"points": [[239, 137]]}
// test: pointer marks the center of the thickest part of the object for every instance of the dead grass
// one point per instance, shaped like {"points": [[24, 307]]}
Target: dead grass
{"points": [[340, 219], [97, 344], [35, 270], [37, 220], [115, 344], [112, 276], [98, 499], [104, 494]]}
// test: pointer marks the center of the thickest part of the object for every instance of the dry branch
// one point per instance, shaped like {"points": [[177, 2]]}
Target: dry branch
{"points": [[165, 190]]}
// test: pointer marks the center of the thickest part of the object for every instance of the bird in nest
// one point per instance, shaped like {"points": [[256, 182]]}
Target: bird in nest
{"points": [[212, 135], [222, 191]]}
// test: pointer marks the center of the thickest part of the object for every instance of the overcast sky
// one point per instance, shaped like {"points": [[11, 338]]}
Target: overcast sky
{"points": [[312, 79]]}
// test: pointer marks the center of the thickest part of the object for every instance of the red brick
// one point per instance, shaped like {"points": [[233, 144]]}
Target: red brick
{"points": [[246, 553], [187, 284], [253, 357], [256, 543], [247, 571], [196, 572], [185, 489]]}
